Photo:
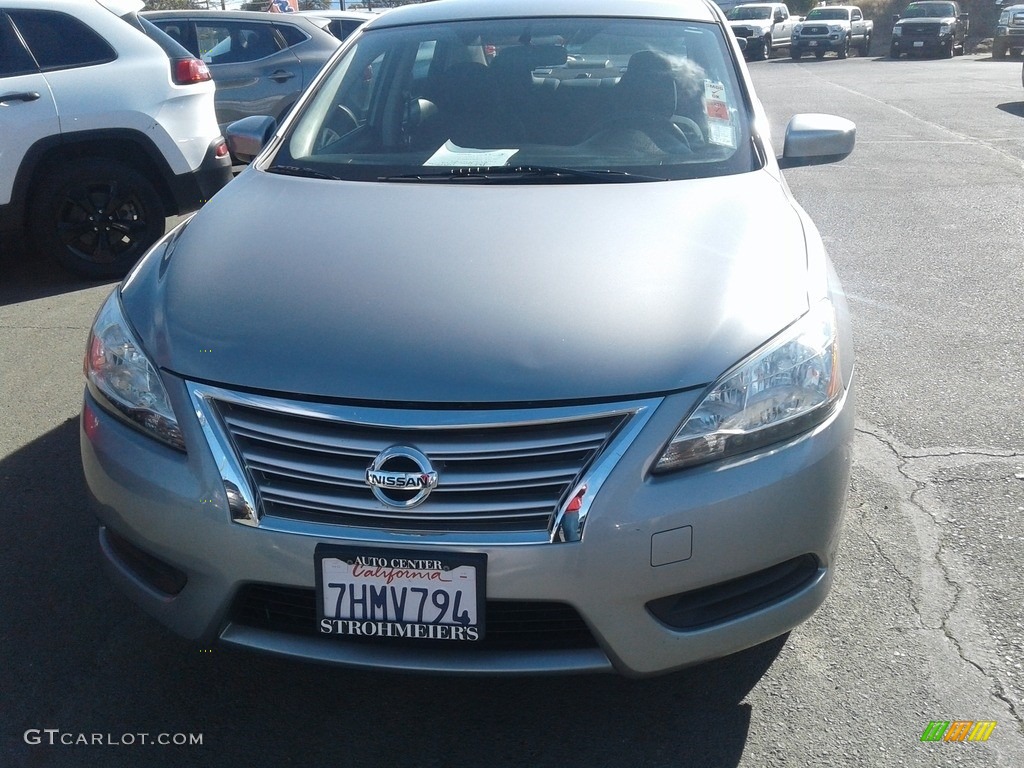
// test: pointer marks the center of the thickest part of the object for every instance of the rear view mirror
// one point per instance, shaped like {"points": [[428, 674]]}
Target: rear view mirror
{"points": [[813, 139], [246, 137]]}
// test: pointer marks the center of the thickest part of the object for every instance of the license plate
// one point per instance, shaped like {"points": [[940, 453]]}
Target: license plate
{"points": [[919, 43], [813, 43], [400, 593]]}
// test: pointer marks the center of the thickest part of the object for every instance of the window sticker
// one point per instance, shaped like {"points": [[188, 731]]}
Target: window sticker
{"points": [[716, 106], [451, 154]]}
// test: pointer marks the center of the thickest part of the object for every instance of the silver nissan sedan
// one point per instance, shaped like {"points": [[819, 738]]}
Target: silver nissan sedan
{"points": [[509, 352]]}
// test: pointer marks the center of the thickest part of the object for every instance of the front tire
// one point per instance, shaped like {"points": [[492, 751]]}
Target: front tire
{"points": [[999, 49], [766, 48], [844, 51], [947, 51], [97, 217], [894, 52], [865, 47], [795, 54]]}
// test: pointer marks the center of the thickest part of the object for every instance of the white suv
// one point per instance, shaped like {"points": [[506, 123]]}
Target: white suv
{"points": [[108, 127]]}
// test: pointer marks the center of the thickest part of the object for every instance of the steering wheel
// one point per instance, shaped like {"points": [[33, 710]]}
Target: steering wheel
{"points": [[661, 130], [694, 135], [341, 123]]}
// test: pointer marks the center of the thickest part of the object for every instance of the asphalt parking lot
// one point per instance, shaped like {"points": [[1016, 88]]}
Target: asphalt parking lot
{"points": [[925, 622]]}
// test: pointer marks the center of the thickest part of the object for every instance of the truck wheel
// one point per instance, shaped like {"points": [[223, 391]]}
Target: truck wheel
{"points": [[894, 52], [865, 47], [766, 47], [97, 217], [844, 51], [819, 54], [795, 54], [947, 51], [999, 49]]}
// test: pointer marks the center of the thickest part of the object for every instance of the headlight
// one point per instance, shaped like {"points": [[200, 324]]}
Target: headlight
{"points": [[835, 28], [897, 31], [789, 385], [945, 28], [1004, 18], [798, 29], [125, 380]]}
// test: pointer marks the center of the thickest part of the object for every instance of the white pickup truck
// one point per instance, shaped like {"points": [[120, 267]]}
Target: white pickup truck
{"points": [[832, 28], [764, 26]]}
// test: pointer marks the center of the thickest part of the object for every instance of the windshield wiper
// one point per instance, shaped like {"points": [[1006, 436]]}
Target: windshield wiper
{"points": [[517, 173], [295, 170]]}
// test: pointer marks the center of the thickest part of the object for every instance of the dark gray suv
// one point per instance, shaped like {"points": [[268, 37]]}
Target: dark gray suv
{"points": [[260, 62]]}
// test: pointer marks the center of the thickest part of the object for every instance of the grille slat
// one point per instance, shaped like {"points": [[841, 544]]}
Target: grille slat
{"points": [[364, 442], [439, 509], [317, 469], [498, 476]]}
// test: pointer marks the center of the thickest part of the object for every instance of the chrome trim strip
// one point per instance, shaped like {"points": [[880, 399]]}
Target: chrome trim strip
{"points": [[242, 499], [568, 525]]}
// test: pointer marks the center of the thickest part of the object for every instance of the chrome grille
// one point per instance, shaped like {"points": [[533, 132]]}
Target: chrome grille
{"points": [[815, 29], [743, 31], [498, 472], [924, 29]]}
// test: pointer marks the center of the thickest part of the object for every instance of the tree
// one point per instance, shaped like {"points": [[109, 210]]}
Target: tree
{"points": [[179, 5]]}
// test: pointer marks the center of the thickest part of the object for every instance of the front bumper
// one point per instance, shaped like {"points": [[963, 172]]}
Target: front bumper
{"points": [[817, 44], [709, 525], [930, 46], [1011, 38]]}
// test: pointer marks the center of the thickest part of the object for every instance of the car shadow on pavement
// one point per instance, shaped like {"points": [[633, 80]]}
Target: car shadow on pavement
{"points": [[81, 658], [1015, 108], [24, 276]]}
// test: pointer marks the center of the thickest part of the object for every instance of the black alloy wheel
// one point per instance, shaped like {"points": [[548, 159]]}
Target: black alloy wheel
{"points": [[97, 217]]}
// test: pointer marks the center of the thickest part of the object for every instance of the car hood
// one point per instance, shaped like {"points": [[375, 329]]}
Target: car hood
{"points": [[926, 20], [758, 23], [441, 293]]}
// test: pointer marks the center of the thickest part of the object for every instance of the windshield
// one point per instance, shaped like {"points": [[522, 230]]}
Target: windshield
{"points": [[928, 10], [655, 99], [819, 14], [744, 13]]}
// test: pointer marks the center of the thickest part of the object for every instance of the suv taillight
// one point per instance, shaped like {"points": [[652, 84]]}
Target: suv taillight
{"points": [[191, 70]]}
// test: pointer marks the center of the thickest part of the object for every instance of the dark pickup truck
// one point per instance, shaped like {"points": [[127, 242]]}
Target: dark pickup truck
{"points": [[930, 27]]}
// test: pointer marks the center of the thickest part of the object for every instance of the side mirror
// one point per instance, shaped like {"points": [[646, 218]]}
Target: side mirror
{"points": [[813, 139], [895, 17], [246, 137], [779, 18], [964, 16]]}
